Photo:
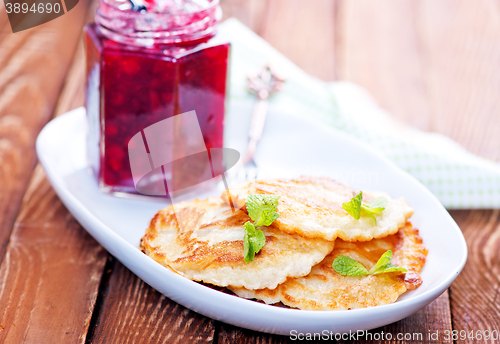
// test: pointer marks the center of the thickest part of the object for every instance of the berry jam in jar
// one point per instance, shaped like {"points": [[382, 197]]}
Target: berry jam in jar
{"points": [[147, 62]]}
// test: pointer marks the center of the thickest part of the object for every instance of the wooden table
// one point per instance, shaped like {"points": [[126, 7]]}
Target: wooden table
{"points": [[434, 64]]}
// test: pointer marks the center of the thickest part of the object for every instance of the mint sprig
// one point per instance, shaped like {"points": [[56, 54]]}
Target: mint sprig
{"points": [[253, 241], [347, 266], [262, 211], [384, 265], [353, 207], [356, 206]]}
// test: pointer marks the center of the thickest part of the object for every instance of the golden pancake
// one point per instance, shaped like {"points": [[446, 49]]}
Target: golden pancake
{"points": [[312, 207], [325, 289], [208, 247]]}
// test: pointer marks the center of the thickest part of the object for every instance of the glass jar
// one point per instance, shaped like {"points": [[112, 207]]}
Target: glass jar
{"points": [[146, 64]]}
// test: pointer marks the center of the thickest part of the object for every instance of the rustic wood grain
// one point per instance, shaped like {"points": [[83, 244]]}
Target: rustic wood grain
{"points": [[431, 63], [52, 267], [50, 273], [229, 334], [304, 33], [462, 46], [33, 65], [5, 29], [416, 327], [249, 12], [461, 49], [379, 48], [475, 295], [133, 312], [73, 95]]}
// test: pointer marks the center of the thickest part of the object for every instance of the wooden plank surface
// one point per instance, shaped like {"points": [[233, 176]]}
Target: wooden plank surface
{"points": [[416, 328], [229, 334], [133, 312], [475, 295], [379, 49], [461, 48], [52, 267], [50, 274], [430, 63], [303, 33], [33, 65], [462, 45]]}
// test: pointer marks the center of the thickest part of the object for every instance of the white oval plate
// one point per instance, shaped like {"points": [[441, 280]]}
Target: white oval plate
{"points": [[290, 146]]}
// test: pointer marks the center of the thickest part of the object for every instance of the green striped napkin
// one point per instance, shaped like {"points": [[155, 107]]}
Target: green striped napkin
{"points": [[459, 179]]}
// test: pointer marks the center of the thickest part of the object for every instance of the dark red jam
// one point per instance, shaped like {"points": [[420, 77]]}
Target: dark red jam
{"points": [[130, 87]]}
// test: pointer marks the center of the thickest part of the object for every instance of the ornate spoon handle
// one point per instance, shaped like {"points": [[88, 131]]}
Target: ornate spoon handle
{"points": [[262, 85]]}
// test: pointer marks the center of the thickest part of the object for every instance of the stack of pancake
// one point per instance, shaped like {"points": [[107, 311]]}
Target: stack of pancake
{"points": [[203, 240]]}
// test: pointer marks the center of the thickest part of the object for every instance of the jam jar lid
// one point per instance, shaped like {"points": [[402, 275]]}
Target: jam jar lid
{"points": [[157, 22]]}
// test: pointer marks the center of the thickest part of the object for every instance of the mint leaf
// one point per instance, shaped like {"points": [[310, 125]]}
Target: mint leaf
{"points": [[248, 252], [353, 207], [384, 265], [347, 266], [356, 206], [374, 207], [253, 241], [389, 268], [377, 205], [386, 258], [262, 209]]}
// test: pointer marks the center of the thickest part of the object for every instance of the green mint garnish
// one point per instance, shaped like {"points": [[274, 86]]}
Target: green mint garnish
{"points": [[262, 211], [353, 207], [384, 265], [347, 266], [253, 241], [356, 206]]}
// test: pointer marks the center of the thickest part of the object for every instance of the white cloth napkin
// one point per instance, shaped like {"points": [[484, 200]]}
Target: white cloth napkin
{"points": [[458, 178]]}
